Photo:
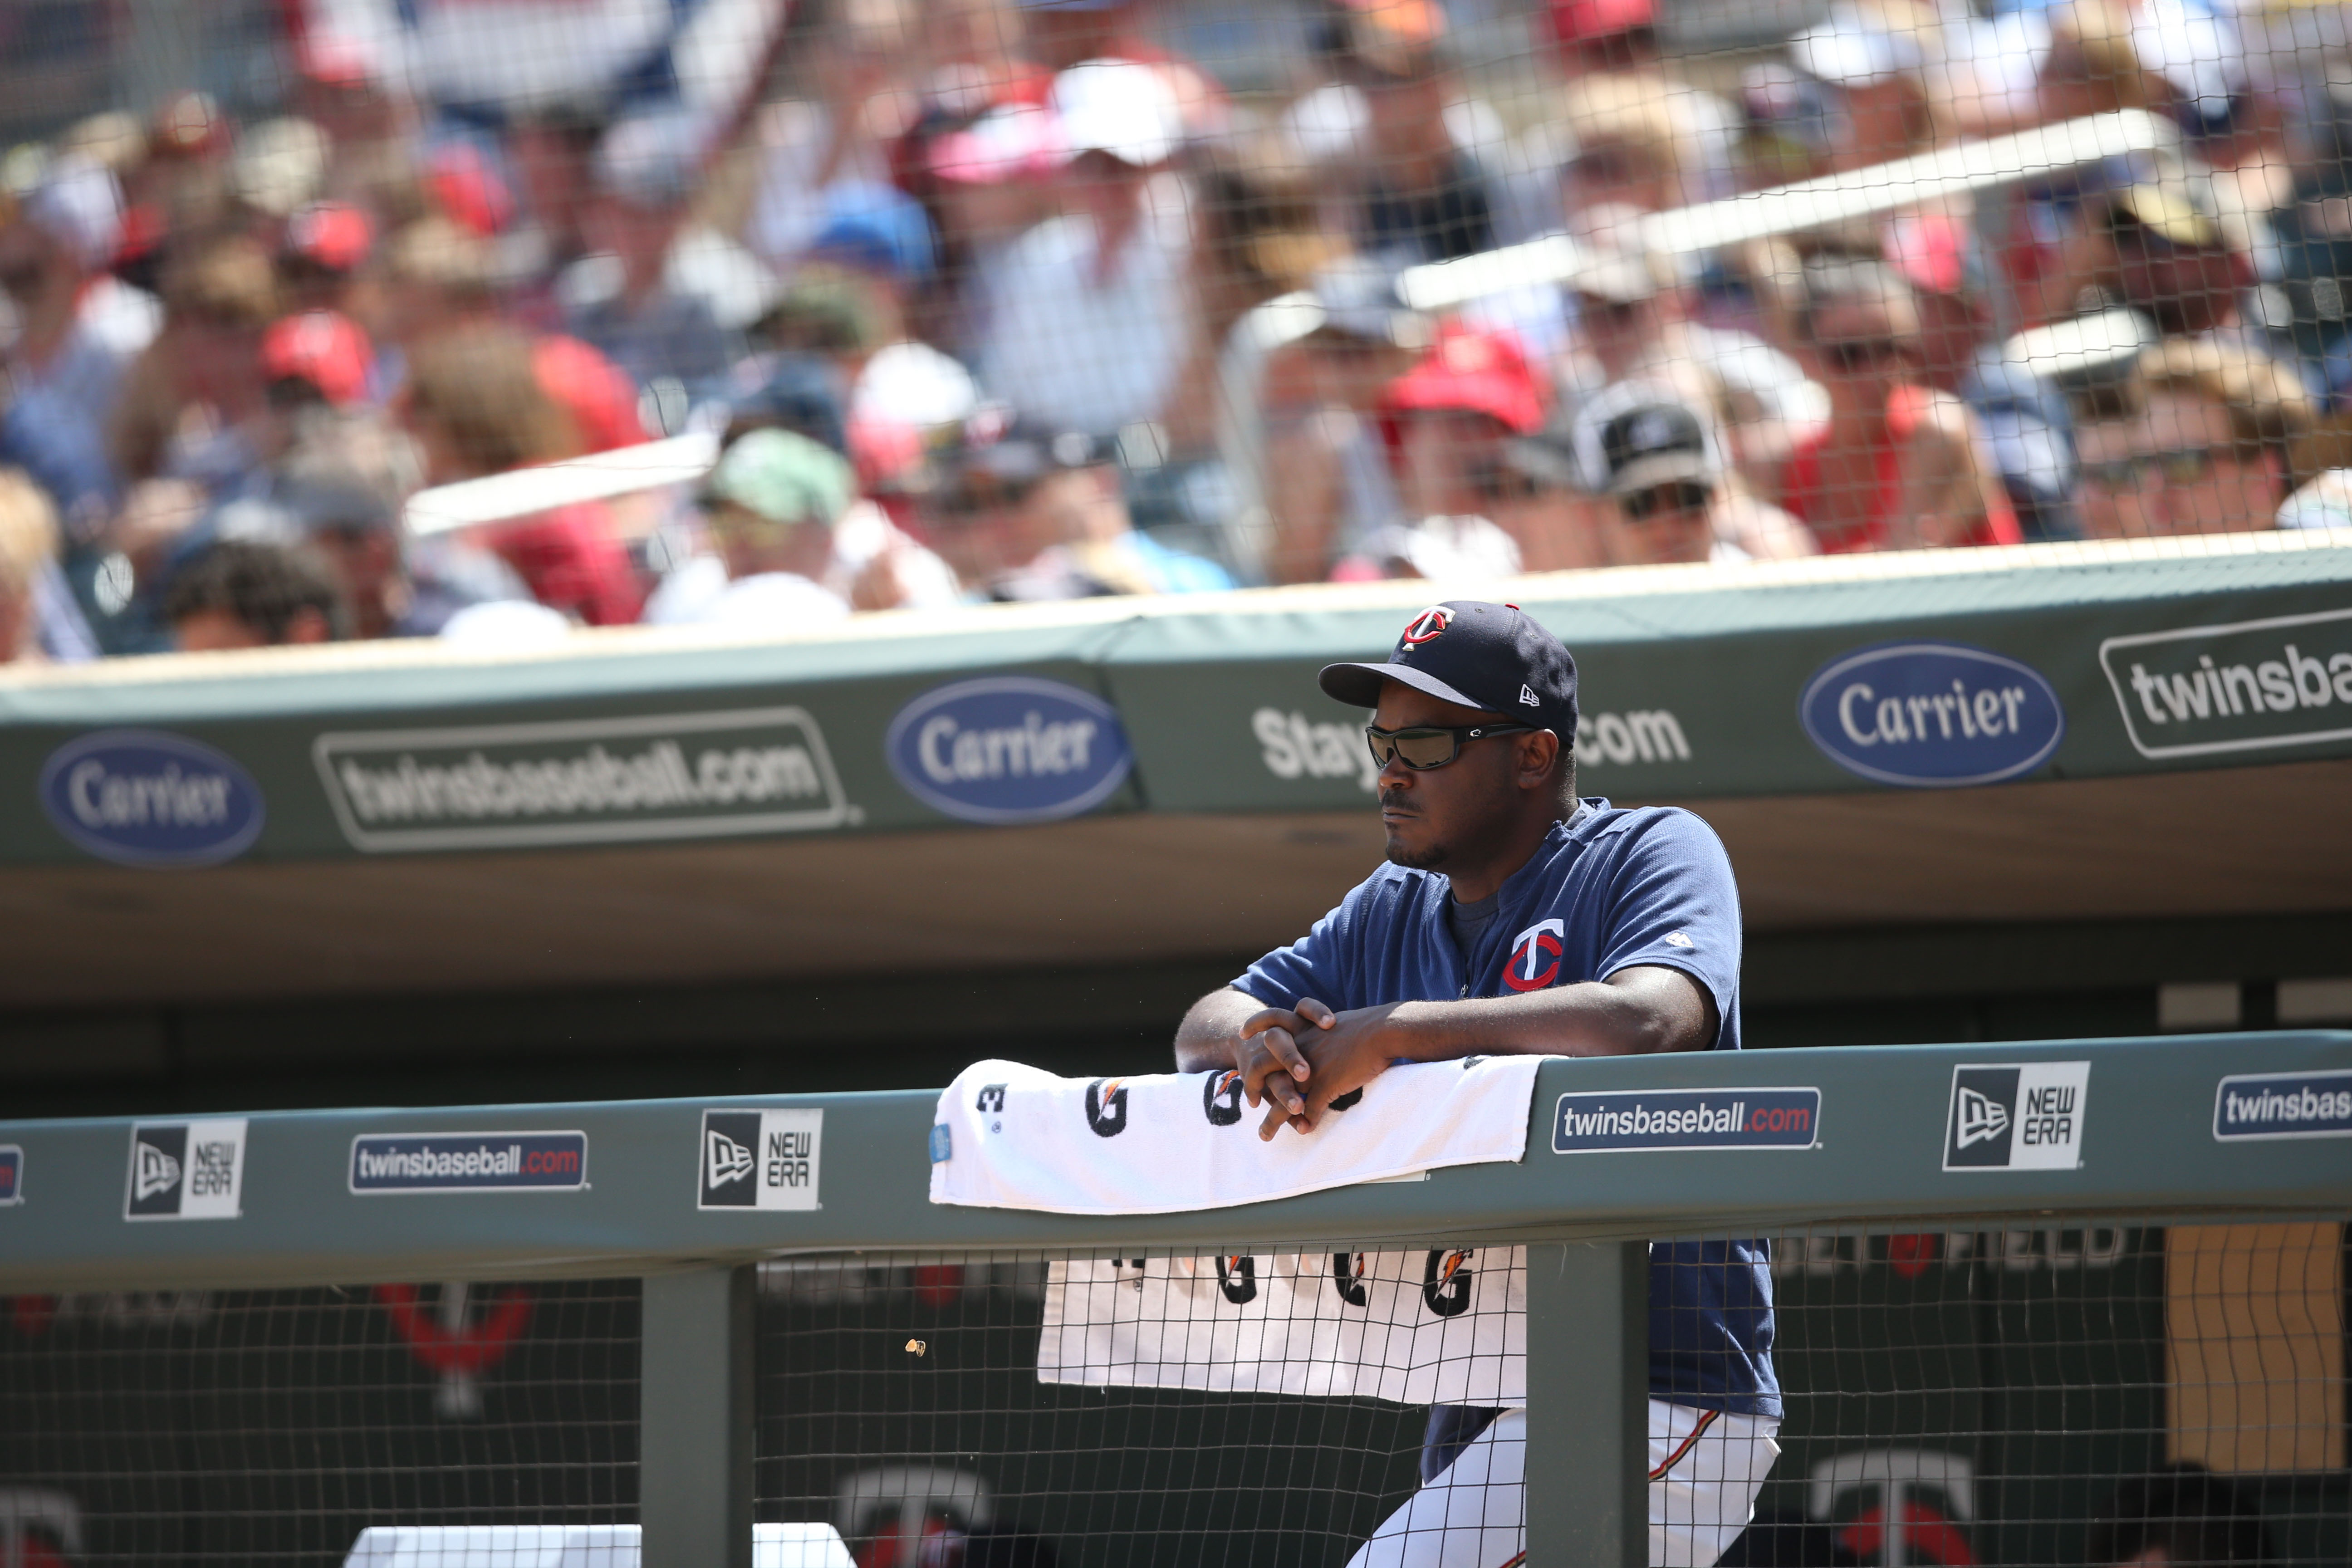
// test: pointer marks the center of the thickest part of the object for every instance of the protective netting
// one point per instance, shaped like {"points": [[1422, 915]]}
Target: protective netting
{"points": [[1041, 298], [2068, 1392], [273, 1425], [2058, 1391]]}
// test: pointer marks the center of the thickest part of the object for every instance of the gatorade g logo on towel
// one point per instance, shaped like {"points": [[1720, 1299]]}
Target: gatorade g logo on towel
{"points": [[1107, 1108], [1348, 1278], [1221, 1098], [1534, 963], [1237, 1277], [1426, 626], [1445, 1281]]}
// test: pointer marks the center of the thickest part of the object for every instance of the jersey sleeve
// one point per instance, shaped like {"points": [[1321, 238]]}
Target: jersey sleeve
{"points": [[1315, 966], [1673, 903]]}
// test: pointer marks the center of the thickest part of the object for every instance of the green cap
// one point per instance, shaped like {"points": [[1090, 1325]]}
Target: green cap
{"points": [[785, 478]]}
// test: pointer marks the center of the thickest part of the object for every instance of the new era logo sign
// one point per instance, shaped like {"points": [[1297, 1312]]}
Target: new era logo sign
{"points": [[154, 1171], [759, 1159], [185, 1170], [725, 1161], [1981, 1118], [2027, 1117], [1528, 698]]}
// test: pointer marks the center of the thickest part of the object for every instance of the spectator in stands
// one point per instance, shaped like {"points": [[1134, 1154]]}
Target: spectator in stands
{"points": [[1319, 457], [327, 244], [1633, 144], [1446, 423], [442, 278], [1033, 514], [1547, 508], [1879, 54], [620, 299], [77, 328], [1898, 466], [475, 407], [770, 505], [190, 395], [2195, 440], [1402, 131], [28, 558], [2161, 246], [2183, 1516], [1088, 315], [1659, 462], [393, 586], [252, 593]]}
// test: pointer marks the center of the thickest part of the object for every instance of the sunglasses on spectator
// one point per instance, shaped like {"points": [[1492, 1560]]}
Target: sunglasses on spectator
{"points": [[1665, 501], [2182, 468], [1424, 747], [1847, 355]]}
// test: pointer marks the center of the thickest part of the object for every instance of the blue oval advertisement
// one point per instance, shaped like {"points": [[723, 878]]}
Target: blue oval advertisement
{"points": [[1932, 715], [142, 797], [1009, 749]]}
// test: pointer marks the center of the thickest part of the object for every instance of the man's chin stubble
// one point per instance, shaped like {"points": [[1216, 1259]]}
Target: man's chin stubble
{"points": [[1425, 860]]}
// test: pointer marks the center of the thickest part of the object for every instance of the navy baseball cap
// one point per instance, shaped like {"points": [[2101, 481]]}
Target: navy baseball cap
{"points": [[1493, 658]]}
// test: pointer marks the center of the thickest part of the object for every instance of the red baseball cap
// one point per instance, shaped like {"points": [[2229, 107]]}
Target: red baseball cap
{"points": [[1577, 22], [335, 235], [323, 348], [1470, 371], [469, 190]]}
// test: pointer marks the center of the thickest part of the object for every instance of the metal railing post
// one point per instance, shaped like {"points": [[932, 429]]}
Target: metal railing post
{"points": [[695, 1434], [1588, 1404]]}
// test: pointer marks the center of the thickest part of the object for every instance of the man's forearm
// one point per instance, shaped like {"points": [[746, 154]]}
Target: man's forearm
{"points": [[1661, 1011], [1205, 1039]]}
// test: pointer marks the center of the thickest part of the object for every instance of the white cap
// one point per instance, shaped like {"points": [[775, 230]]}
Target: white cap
{"points": [[1851, 47], [79, 204], [1120, 107]]}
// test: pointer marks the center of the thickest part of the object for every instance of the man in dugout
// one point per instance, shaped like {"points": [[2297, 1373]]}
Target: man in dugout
{"points": [[1514, 917]]}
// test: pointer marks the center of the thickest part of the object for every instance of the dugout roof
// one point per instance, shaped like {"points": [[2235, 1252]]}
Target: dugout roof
{"points": [[2142, 730]]}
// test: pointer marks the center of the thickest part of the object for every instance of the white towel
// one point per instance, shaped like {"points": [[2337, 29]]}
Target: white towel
{"points": [[1009, 1136], [1445, 1326]]}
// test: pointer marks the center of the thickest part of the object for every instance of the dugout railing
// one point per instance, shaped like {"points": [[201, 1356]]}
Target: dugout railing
{"points": [[776, 1349]]}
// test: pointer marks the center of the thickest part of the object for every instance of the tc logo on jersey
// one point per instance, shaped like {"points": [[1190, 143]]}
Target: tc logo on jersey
{"points": [[1534, 963], [1426, 626], [1107, 1108]]}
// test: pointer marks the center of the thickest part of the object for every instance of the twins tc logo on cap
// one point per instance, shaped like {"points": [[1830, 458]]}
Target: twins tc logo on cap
{"points": [[1526, 969], [1426, 626]]}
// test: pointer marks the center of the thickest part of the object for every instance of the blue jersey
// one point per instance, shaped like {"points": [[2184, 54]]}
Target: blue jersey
{"points": [[1608, 890]]}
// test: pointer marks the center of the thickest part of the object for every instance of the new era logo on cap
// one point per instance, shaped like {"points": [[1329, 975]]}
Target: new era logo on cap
{"points": [[1528, 698]]}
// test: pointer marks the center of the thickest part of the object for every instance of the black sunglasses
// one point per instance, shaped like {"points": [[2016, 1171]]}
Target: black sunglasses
{"points": [[1422, 747], [1643, 505]]}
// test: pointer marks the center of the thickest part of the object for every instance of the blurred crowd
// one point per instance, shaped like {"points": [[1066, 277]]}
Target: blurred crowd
{"points": [[1015, 299]]}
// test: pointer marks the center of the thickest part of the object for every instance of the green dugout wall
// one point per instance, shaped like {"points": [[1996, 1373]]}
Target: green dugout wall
{"points": [[1978, 794]]}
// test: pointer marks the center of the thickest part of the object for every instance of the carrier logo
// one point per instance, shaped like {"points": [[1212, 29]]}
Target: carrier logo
{"points": [[1687, 1118], [2252, 1106], [599, 781], [2026, 1117], [11, 1174], [1932, 715], [2243, 687], [760, 1159], [470, 1162], [141, 797], [185, 1170], [1107, 1108], [1009, 749], [1534, 963]]}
